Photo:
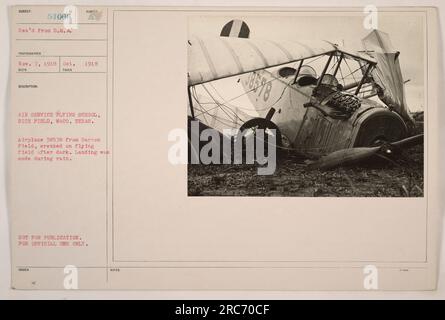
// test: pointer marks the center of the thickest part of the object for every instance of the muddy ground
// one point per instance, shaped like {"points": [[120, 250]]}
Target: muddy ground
{"points": [[375, 178]]}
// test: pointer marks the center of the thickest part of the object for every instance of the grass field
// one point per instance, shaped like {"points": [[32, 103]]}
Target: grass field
{"points": [[376, 178]]}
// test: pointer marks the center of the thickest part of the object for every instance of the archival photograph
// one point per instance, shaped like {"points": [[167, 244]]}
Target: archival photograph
{"points": [[307, 105]]}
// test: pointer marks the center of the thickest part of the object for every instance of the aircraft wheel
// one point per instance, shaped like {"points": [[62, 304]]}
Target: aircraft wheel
{"points": [[264, 124]]}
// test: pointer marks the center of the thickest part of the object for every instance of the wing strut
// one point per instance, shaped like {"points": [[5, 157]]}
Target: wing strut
{"points": [[325, 69], [192, 109], [362, 81], [298, 71]]}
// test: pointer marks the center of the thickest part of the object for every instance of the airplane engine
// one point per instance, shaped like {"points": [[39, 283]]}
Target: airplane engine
{"points": [[378, 125]]}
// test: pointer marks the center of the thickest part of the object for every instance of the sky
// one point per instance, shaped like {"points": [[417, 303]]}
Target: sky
{"points": [[406, 31]]}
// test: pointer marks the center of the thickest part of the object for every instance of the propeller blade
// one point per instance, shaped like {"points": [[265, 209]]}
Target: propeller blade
{"points": [[343, 156], [347, 156], [409, 142]]}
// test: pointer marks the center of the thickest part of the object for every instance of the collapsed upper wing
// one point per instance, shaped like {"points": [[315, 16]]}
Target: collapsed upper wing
{"points": [[388, 74], [220, 57]]}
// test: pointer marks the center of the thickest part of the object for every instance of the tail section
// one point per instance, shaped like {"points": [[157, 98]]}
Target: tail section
{"points": [[235, 28], [257, 84], [387, 75], [239, 29]]}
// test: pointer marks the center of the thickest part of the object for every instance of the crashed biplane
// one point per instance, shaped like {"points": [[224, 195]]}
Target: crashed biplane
{"points": [[323, 100]]}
